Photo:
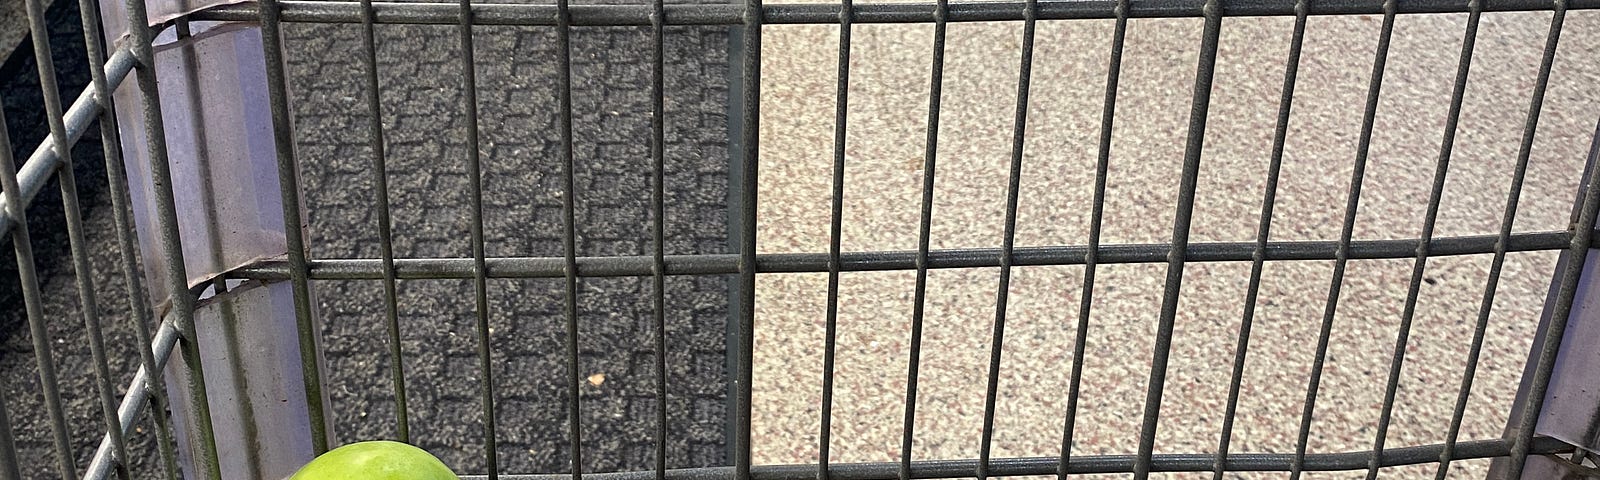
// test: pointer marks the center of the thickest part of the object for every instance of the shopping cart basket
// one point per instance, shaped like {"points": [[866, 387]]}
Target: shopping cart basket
{"points": [[240, 263]]}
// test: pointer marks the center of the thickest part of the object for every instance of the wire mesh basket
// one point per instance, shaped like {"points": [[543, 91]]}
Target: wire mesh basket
{"points": [[213, 251]]}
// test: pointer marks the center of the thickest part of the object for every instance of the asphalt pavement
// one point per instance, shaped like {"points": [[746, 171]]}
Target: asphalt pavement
{"points": [[420, 76]]}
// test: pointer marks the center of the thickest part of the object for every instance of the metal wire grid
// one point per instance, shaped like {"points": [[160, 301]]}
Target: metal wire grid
{"points": [[65, 128], [177, 332]]}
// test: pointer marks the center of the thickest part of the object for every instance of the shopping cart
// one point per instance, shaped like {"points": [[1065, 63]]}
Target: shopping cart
{"points": [[230, 283]]}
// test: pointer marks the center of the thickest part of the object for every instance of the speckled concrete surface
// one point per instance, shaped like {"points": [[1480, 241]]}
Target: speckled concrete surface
{"points": [[890, 70]]}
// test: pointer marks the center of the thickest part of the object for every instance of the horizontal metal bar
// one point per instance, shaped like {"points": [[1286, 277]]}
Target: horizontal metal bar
{"points": [[133, 402], [1010, 467], [642, 265], [730, 14], [44, 161]]}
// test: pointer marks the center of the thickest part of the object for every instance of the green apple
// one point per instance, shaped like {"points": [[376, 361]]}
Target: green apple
{"points": [[377, 460]]}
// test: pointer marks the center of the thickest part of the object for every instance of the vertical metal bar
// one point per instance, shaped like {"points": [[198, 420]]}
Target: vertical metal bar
{"points": [[128, 262], [111, 148], [139, 310], [658, 208], [222, 318], [88, 307], [569, 233], [469, 94], [24, 249], [1550, 344], [1180, 236], [1097, 216], [1342, 254], [29, 278], [835, 232], [82, 272], [1557, 357], [735, 224], [1430, 218], [140, 315], [209, 203], [1524, 152], [1571, 412], [183, 301], [929, 163], [37, 329], [380, 187], [750, 185], [1018, 139], [13, 197], [8, 447], [1263, 231], [289, 189]]}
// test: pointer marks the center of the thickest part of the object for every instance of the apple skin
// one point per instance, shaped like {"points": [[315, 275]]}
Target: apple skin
{"points": [[376, 460]]}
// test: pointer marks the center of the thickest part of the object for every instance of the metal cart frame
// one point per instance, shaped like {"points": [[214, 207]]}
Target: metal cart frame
{"points": [[265, 282]]}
